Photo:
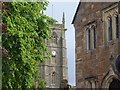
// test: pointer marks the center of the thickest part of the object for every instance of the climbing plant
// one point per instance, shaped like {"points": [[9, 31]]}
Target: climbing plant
{"points": [[25, 27]]}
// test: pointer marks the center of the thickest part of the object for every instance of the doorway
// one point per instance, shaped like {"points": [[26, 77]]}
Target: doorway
{"points": [[115, 84]]}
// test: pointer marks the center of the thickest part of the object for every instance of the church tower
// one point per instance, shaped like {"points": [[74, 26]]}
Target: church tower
{"points": [[55, 69]]}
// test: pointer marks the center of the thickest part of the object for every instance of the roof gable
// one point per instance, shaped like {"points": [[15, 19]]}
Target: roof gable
{"points": [[76, 13]]}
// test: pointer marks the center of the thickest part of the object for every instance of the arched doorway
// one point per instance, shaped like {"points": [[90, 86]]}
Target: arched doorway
{"points": [[114, 84]]}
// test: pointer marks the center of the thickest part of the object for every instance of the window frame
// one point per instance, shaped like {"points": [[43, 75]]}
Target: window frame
{"points": [[90, 37], [111, 11]]}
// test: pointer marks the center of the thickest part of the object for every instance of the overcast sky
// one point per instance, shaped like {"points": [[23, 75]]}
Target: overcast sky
{"points": [[55, 10]]}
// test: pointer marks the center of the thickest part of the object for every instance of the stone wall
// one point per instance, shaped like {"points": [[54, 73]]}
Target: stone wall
{"points": [[94, 64]]}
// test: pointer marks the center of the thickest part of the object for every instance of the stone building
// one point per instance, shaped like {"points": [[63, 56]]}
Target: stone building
{"points": [[97, 35], [55, 69]]}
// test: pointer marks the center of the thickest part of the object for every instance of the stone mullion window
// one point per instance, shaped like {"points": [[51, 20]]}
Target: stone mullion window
{"points": [[91, 84], [90, 37], [111, 23], [88, 84]]}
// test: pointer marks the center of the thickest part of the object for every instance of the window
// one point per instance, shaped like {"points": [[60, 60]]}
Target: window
{"points": [[111, 23], [89, 47], [90, 37], [88, 84], [54, 35], [110, 28], [117, 26], [53, 78], [94, 33], [91, 84], [93, 36], [47, 42]]}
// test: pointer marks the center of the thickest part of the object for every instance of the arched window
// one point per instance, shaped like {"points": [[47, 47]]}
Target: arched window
{"points": [[54, 35], [88, 84], [53, 78], [90, 36], [111, 25], [91, 84], [115, 84]]}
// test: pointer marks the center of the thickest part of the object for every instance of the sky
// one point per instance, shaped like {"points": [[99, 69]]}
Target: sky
{"points": [[55, 9]]}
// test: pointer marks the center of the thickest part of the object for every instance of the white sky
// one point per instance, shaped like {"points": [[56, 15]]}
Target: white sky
{"points": [[84, 0], [63, 0], [69, 8]]}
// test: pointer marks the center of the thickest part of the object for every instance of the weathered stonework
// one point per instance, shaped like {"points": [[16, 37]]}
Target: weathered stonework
{"points": [[55, 69], [95, 66]]}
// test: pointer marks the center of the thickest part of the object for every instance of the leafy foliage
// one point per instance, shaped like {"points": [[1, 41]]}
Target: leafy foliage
{"points": [[27, 28]]}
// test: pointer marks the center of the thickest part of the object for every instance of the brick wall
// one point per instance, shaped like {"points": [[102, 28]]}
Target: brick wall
{"points": [[94, 63]]}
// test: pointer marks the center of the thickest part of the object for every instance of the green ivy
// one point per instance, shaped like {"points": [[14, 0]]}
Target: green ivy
{"points": [[27, 28]]}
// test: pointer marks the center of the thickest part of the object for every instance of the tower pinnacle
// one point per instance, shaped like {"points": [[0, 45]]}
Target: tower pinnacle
{"points": [[63, 20]]}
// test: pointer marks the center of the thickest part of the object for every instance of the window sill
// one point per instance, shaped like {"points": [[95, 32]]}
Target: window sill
{"points": [[91, 51], [112, 42]]}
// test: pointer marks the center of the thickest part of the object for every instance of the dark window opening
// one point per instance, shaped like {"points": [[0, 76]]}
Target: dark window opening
{"points": [[117, 26], [54, 35], [114, 85], [94, 33], [53, 78], [89, 46], [110, 28]]}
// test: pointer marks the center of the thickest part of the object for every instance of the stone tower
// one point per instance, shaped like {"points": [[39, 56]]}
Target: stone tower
{"points": [[55, 69]]}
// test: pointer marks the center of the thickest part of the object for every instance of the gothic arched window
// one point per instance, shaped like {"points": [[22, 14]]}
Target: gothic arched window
{"points": [[90, 36], [54, 35], [111, 24], [53, 78]]}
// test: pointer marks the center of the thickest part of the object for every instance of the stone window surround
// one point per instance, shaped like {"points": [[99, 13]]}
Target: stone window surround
{"points": [[91, 82], [108, 79], [90, 26], [54, 37], [107, 13]]}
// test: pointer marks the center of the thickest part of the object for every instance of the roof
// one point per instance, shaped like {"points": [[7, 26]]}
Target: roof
{"points": [[78, 9], [76, 13]]}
